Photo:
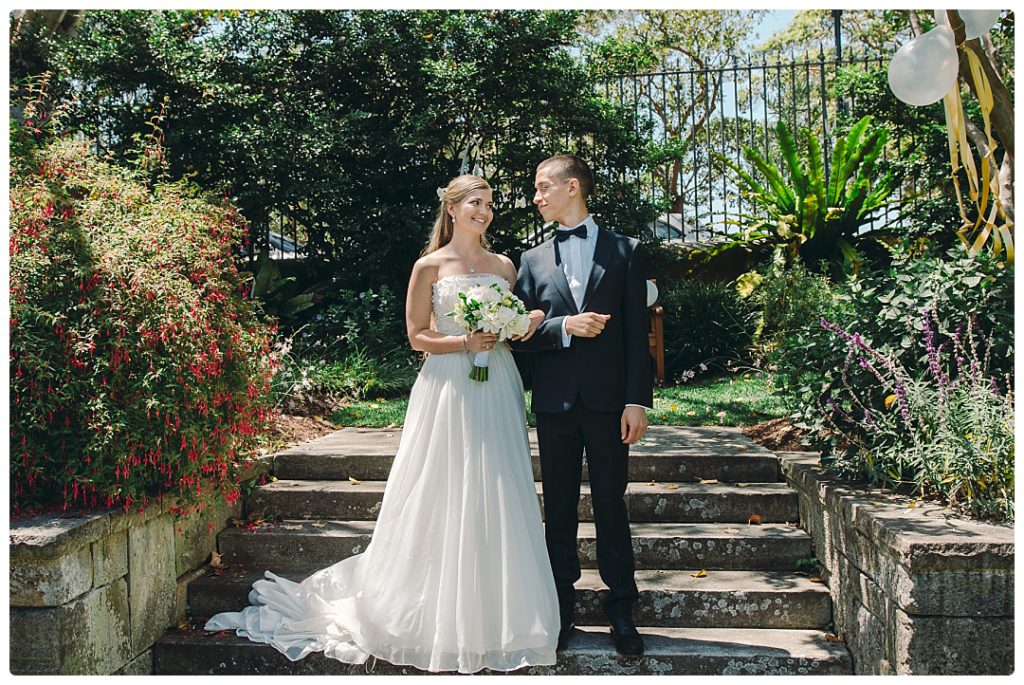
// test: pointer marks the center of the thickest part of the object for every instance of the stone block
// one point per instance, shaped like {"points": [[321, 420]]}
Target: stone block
{"points": [[866, 638], [109, 558], [943, 645], [140, 665], [181, 605], [196, 538], [50, 581], [51, 535], [89, 635], [152, 580]]}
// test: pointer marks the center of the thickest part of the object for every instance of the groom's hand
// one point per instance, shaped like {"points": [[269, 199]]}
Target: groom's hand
{"points": [[536, 317], [634, 424], [586, 325]]}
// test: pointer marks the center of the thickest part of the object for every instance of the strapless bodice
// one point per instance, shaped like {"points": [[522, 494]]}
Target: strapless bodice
{"points": [[446, 295]]}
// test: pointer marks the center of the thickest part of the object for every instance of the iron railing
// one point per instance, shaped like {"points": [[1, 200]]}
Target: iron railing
{"points": [[691, 115]]}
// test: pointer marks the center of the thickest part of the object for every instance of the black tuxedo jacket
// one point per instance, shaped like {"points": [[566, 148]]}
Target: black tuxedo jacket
{"points": [[606, 372]]}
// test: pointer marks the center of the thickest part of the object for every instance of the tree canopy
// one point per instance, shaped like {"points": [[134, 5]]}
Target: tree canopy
{"points": [[345, 122]]}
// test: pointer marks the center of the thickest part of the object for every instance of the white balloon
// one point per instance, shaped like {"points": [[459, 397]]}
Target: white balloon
{"points": [[652, 293], [976, 22], [923, 70]]}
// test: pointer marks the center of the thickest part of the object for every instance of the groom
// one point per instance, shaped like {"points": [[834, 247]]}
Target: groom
{"points": [[592, 381]]}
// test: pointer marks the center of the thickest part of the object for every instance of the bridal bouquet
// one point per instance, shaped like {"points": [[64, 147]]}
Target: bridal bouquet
{"points": [[492, 309]]}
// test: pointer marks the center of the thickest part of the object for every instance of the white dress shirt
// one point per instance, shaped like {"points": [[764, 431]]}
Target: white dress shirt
{"points": [[577, 260]]}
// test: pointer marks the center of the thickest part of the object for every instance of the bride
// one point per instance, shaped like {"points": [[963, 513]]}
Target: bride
{"points": [[456, 576]]}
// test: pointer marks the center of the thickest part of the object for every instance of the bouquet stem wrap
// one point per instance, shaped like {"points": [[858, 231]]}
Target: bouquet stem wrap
{"points": [[481, 360]]}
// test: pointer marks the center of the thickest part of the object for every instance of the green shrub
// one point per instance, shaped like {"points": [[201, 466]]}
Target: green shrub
{"points": [[138, 369], [785, 302], [707, 326], [356, 376], [891, 313], [351, 321]]}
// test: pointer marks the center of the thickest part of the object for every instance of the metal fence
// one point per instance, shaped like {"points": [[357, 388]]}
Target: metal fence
{"points": [[689, 116]]}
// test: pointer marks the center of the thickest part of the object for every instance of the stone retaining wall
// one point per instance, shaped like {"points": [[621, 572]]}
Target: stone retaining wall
{"points": [[916, 590], [92, 593]]}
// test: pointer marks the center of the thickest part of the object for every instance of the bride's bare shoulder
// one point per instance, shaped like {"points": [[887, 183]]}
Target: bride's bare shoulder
{"points": [[426, 267], [506, 268]]}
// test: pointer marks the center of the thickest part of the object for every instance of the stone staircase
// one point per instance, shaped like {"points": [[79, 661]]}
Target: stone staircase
{"points": [[750, 614]]}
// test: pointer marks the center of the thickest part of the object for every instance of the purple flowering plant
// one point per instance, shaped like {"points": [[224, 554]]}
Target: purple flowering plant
{"points": [[944, 431]]}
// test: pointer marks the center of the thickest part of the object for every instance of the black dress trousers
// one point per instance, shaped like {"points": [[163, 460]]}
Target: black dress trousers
{"points": [[563, 438]]}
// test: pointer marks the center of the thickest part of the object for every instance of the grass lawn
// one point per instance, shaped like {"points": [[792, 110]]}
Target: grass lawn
{"points": [[726, 401]]}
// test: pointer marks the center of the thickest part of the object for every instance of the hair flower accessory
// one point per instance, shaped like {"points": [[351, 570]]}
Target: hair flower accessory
{"points": [[440, 193]]}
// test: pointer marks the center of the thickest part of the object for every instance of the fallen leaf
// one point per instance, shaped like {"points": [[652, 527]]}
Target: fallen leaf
{"points": [[652, 483], [708, 481], [742, 485], [732, 531], [255, 515], [791, 524], [700, 574], [273, 479], [672, 486], [832, 638], [237, 522], [889, 400], [184, 624], [691, 413], [754, 520], [815, 579], [912, 504], [215, 560], [319, 524], [354, 481]]}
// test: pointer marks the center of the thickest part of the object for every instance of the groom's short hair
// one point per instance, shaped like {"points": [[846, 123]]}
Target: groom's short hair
{"points": [[571, 166]]}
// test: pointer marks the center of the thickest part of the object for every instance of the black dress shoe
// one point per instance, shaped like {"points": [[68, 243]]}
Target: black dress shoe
{"points": [[626, 638], [563, 637]]}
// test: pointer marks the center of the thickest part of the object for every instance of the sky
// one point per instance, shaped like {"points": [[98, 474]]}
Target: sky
{"points": [[775, 20]]}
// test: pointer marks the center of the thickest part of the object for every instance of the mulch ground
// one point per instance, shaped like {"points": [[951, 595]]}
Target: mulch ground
{"points": [[778, 435]]}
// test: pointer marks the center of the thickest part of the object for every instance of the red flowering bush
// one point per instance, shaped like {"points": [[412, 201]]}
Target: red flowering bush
{"points": [[138, 368]]}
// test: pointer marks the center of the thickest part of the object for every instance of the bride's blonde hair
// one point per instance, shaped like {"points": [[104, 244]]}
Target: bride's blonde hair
{"points": [[456, 191]]}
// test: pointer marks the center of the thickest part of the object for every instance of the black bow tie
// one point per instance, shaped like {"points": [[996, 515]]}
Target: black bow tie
{"points": [[580, 232]]}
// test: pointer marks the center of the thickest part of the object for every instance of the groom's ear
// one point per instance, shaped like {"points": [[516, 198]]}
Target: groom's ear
{"points": [[574, 185]]}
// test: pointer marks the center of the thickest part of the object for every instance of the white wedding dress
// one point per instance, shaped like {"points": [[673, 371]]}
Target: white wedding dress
{"points": [[456, 576]]}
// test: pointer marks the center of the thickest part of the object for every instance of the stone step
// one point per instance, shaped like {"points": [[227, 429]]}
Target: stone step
{"points": [[683, 467], [667, 454], [722, 599], [669, 651], [677, 503], [655, 545]]}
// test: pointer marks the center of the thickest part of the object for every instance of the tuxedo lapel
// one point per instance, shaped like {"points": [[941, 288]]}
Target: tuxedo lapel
{"points": [[602, 253], [552, 265]]}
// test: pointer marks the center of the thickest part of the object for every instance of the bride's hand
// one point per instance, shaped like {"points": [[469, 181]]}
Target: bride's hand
{"points": [[478, 341], [536, 316]]}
